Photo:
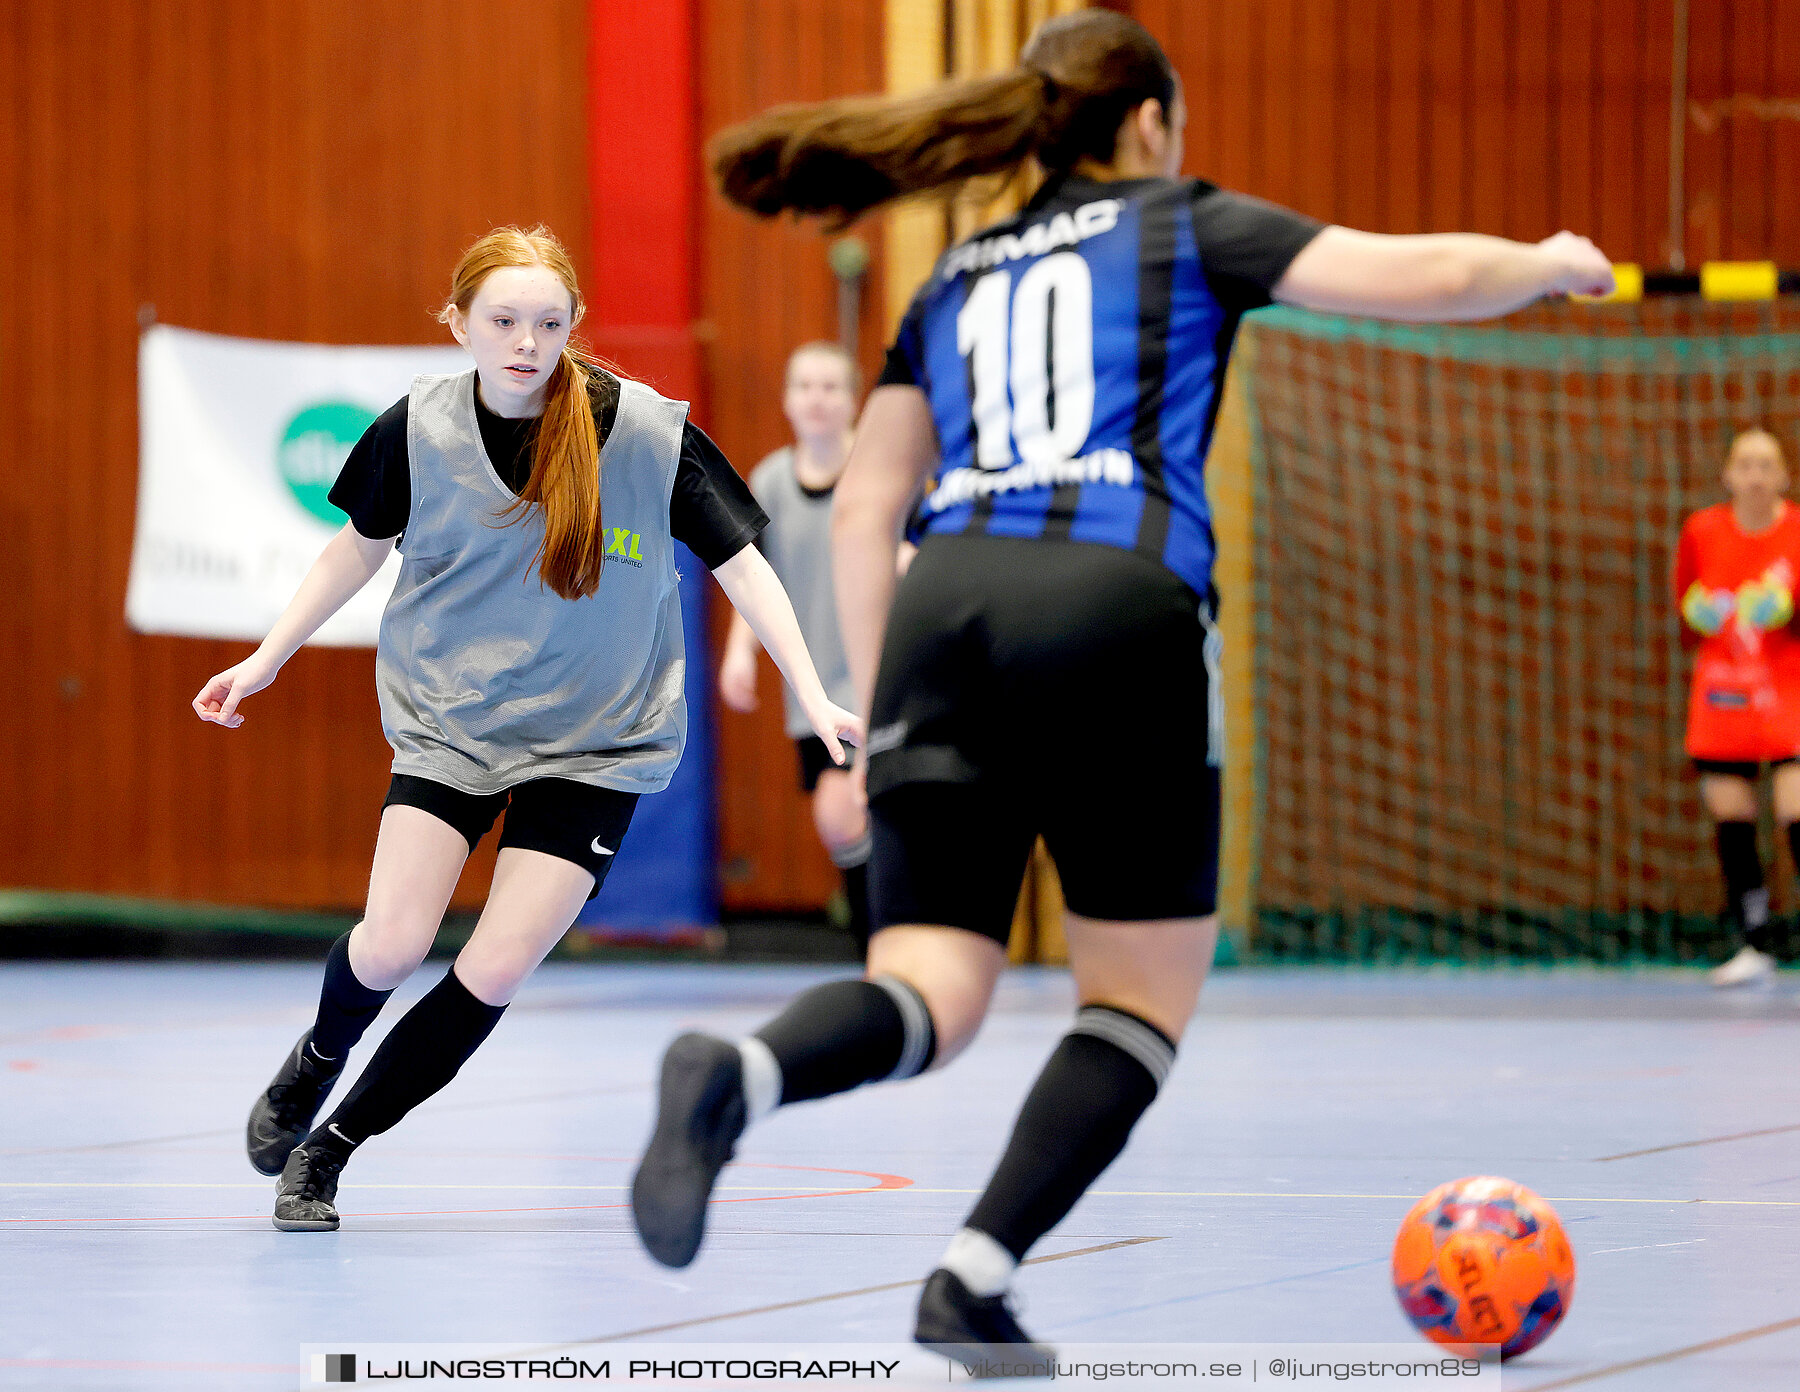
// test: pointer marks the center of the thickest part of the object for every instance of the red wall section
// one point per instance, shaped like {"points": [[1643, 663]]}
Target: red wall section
{"points": [[643, 175]]}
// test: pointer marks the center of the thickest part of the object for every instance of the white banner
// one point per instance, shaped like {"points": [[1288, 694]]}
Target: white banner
{"points": [[241, 440]]}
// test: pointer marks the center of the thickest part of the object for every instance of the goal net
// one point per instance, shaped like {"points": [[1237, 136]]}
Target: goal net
{"points": [[1468, 687]]}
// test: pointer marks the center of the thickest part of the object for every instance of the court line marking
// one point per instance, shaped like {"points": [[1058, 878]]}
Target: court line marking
{"points": [[1226, 1290], [1399, 1198], [891, 1182], [56, 1222], [114, 1145], [1129, 1310], [1689, 1145], [1648, 1246], [521, 1188], [834, 1295], [234, 1131], [82, 1034], [1656, 1358], [883, 1182], [134, 1366]]}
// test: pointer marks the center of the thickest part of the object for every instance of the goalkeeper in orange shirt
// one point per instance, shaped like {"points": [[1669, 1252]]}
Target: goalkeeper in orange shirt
{"points": [[1735, 572]]}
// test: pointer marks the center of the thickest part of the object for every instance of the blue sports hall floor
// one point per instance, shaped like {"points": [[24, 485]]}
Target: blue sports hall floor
{"points": [[1256, 1203]]}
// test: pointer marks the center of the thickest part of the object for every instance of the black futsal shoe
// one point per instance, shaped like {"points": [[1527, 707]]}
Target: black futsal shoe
{"points": [[304, 1194], [978, 1332], [284, 1113], [699, 1117]]}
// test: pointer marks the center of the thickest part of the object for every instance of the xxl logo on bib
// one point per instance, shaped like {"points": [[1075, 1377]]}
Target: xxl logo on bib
{"points": [[624, 545]]}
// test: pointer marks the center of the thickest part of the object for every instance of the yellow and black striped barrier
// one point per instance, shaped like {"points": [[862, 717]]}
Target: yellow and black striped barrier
{"points": [[1715, 280]]}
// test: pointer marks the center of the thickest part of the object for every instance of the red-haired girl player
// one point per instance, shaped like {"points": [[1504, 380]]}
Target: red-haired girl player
{"points": [[1735, 571], [530, 660]]}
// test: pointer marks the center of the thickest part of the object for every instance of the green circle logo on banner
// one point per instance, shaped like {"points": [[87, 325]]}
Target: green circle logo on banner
{"points": [[313, 449]]}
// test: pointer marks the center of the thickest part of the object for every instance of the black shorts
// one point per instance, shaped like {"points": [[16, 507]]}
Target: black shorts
{"points": [[815, 759], [1053, 689], [1742, 768], [572, 821]]}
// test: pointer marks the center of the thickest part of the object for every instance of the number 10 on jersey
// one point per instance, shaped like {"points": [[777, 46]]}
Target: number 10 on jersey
{"points": [[1043, 349]]}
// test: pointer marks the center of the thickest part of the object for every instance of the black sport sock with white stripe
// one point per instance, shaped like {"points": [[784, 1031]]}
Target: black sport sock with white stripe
{"points": [[1746, 895], [1103, 1076], [346, 1007], [836, 1037], [420, 1055]]}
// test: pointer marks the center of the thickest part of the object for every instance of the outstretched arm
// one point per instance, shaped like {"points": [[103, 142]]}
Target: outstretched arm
{"points": [[1439, 277], [737, 668], [753, 588], [348, 562], [896, 445]]}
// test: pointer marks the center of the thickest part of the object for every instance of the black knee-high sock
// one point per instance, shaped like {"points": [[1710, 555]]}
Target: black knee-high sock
{"points": [[1746, 900], [1792, 829], [419, 1056], [856, 892], [1074, 1123], [346, 1007], [852, 862], [846, 1033]]}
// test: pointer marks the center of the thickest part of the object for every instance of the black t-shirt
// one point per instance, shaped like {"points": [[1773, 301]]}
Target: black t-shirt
{"points": [[711, 510], [1245, 247]]}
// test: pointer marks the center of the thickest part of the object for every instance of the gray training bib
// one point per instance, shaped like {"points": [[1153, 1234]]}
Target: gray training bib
{"points": [[487, 677], [798, 545]]}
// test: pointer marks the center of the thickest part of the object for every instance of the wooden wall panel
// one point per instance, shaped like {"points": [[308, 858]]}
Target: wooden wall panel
{"points": [[304, 171], [765, 288], [1516, 117], [1781, 114], [310, 172], [1743, 131]]}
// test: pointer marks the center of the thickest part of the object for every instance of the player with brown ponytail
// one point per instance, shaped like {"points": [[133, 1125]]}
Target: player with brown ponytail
{"points": [[1048, 666], [530, 659], [840, 159]]}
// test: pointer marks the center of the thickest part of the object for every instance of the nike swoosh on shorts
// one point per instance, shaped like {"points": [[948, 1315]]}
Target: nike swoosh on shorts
{"points": [[598, 849]]}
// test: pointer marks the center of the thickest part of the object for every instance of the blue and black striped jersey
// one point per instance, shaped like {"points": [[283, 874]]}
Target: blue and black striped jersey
{"points": [[1073, 357]]}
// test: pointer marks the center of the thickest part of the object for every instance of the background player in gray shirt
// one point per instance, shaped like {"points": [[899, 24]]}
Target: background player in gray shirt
{"points": [[794, 486]]}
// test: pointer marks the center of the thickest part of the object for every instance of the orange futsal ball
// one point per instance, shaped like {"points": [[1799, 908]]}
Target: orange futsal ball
{"points": [[1483, 1261]]}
